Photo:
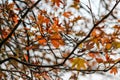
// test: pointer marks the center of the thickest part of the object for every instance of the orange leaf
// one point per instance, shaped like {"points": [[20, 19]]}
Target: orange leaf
{"points": [[96, 33], [116, 27], [67, 14], [55, 43], [27, 48], [65, 54], [55, 37], [30, 47], [114, 70], [107, 57], [105, 40], [61, 42], [40, 19], [92, 55], [108, 46], [99, 60], [57, 2], [76, 19], [26, 57], [77, 0], [118, 20], [4, 33], [76, 4], [41, 40], [11, 6], [15, 19], [46, 76]]}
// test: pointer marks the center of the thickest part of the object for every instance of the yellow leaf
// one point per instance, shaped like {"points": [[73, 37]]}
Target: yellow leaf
{"points": [[116, 44], [81, 45], [78, 63], [96, 41]]}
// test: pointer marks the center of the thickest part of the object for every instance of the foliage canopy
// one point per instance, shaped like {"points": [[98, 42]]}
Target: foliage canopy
{"points": [[42, 39]]}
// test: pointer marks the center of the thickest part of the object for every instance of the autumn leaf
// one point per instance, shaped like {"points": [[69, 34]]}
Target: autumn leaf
{"points": [[96, 41], [4, 33], [77, 0], [99, 60], [15, 19], [76, 4], [41, 40], [11, 6], [67, 14], [118, 20], [116, 44], [26, 57], [55, 27], [46, 76], [104, 40], [89, 45], [30, 47], [57, 2], [108, 46], [96, 33], [42, 76], [55, 43], [92, 55], [116, 27], [76, 19], [114, 70], [40, 19], [56, 40], [55, 36], [80, 46], [107, 57], [65, 54], [79, 63]]}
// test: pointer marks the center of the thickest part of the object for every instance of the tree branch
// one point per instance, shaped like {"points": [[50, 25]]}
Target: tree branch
{"points": [[16, 26], [106, 16]]}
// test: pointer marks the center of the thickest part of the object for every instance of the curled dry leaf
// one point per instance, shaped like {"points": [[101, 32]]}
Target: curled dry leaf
{"points": [[114, 70]]}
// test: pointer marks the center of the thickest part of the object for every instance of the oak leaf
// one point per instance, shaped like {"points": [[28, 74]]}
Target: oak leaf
{"points": [[55, 43], [41, 40], [67, 14], [57, 2], [114, 70], [99, 60], [108, 46], [79, 63], [116, 44], [92, 55], [80, 46]]}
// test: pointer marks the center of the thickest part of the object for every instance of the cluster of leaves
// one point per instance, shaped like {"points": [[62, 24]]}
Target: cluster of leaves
{"points": [[38, 44]]}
